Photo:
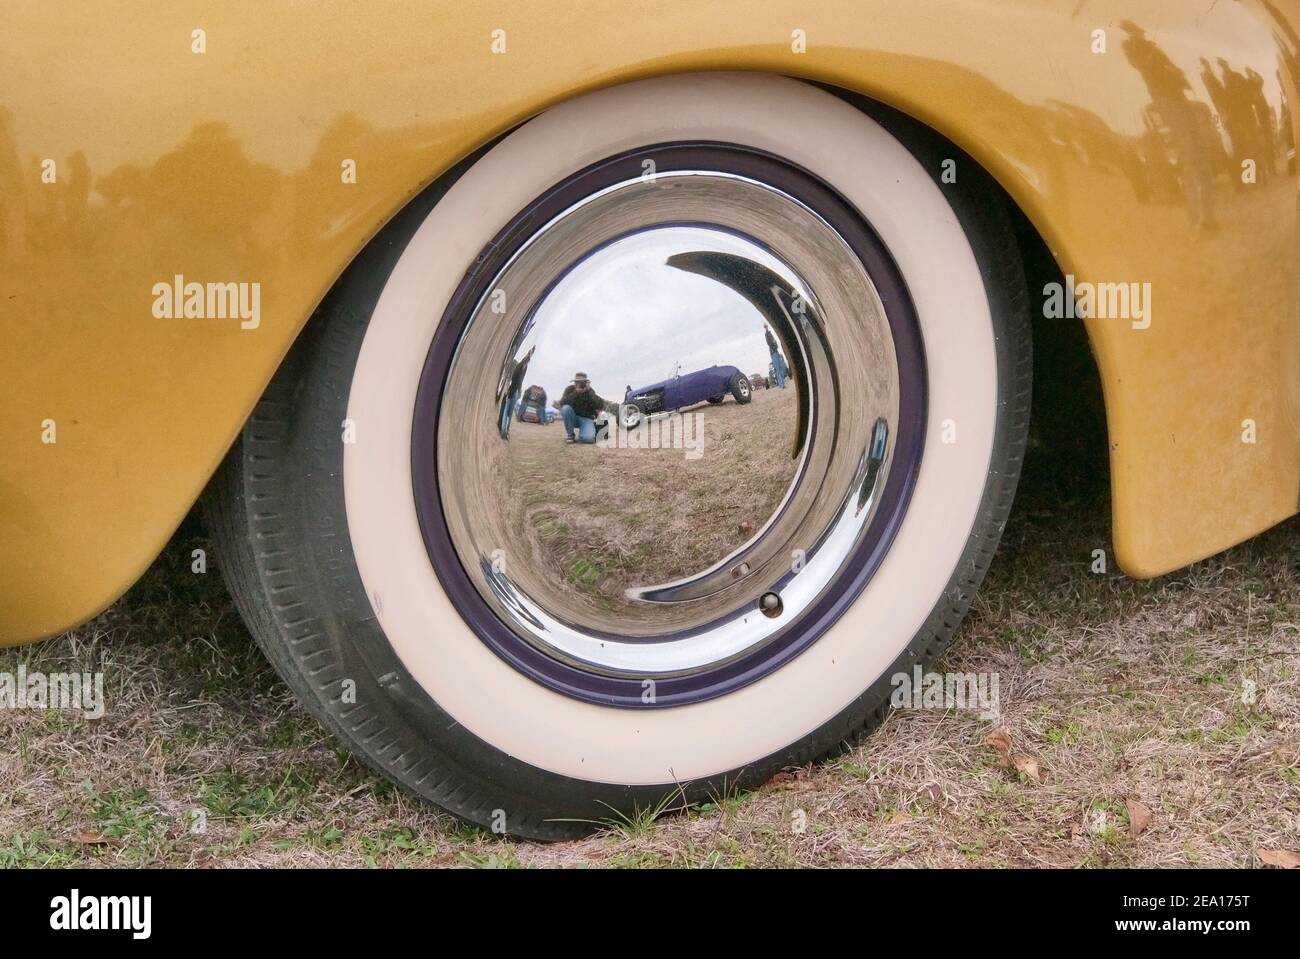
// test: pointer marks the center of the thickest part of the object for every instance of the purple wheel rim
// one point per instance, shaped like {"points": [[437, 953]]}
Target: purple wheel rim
{"points": [[908, 442]]}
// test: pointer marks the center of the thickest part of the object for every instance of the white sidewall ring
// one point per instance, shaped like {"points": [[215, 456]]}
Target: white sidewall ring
{"points": [[501, 706]]}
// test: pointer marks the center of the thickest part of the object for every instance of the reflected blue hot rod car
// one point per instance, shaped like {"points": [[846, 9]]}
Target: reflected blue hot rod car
{"points": [[703, 386]]}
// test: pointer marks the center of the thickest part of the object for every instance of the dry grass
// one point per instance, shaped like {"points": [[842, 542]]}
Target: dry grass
{"points": [[1122, 691]]}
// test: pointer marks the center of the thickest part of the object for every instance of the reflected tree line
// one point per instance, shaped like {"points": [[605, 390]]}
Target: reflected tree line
{"points": [[1191, 148], [203, 204], [1193, 145]]}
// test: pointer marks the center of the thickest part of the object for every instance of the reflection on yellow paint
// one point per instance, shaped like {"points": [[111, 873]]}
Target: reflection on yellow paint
{"points": [[226, 165]]}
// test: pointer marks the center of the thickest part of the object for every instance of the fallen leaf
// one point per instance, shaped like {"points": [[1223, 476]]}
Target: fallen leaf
{"points": [[1139, 817], [1027, 766], [1000, 740], [1282, 858], [87, 838]]}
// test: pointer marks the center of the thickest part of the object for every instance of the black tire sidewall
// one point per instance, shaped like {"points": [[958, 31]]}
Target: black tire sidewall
{"points": [[327, 642]]}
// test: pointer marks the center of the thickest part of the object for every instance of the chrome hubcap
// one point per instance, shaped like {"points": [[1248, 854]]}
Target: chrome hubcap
{"points": [[691, 532]]}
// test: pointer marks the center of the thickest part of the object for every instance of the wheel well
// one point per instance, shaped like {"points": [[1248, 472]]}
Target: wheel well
{"points": [[1067, 453]]}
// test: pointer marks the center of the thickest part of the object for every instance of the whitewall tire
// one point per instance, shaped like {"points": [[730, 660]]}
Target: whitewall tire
{"points": [[442, 711]]}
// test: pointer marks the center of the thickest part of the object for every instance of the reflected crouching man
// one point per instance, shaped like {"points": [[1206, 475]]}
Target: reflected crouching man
{"points": [[579, 406]]}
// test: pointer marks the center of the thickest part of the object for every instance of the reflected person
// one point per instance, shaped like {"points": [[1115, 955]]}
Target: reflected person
{"points": [[513, 389], [779, 370], [580, 406]]}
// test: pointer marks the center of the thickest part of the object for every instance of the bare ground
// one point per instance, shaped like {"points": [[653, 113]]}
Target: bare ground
{"points": [[1127, 709]]}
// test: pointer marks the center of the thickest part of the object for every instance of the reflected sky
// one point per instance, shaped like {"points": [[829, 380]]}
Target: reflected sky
{"points": [[625, 317]]}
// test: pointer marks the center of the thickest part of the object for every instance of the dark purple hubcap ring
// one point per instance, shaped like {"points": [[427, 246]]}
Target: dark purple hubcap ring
{"points": [[907, 440]]}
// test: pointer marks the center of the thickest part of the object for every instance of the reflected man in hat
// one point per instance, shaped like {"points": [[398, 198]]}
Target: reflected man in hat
{"points": [[579, 407]]}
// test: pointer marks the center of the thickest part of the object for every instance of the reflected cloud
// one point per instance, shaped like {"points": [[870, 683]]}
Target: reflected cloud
{"points": [[610, 318]]}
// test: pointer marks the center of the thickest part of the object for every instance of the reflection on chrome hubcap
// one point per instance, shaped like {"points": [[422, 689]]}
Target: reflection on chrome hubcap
{"points": [[668, 425], [647, 546]]}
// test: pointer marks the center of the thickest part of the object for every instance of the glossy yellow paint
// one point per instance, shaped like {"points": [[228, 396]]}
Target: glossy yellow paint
{"points": [[225, 165]]}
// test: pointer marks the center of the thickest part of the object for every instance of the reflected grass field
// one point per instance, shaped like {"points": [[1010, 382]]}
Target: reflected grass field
{"points": [[598, 520]]}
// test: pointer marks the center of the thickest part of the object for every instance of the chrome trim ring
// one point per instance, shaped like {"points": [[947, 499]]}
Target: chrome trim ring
{"points": [[810, 270]]}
